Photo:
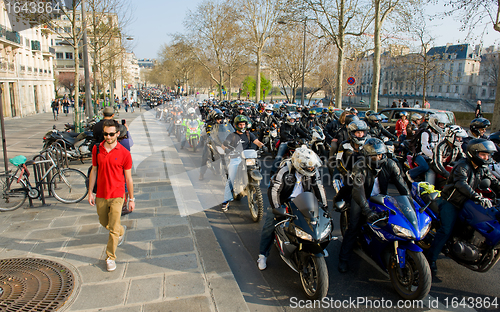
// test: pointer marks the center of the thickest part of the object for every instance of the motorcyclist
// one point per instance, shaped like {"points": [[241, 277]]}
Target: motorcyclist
{"points": [[311, 121], [371, 176], [268, 119], [477, 129], [237, 141], [461, 185], [191, 115], [376, 128], [495, 165], [337, 131], [413, 125], [430, 137], [449, 150], [350, 152], [324, 119], [215, 118], [289, 130], [295, 176]]}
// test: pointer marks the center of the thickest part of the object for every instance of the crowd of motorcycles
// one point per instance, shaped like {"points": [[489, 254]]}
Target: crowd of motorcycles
{"points": [[396, 241]]}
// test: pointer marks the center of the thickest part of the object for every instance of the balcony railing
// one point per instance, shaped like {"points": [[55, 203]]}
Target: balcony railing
{"points": [[35, 45], [10, 35]]}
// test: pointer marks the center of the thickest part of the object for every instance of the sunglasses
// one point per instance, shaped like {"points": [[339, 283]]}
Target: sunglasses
{"points": [[111, 134]]}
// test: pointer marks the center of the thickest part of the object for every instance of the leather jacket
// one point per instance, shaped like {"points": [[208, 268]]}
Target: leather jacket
{"points": [[289, 133], [364, 180], [444, 155], [463, 182], [283, 182], [378, 131], [346, 157]]}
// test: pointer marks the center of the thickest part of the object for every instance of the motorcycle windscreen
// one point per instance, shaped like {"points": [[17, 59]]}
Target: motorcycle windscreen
{"points": [[307, 203], [318, 129], [406, 207], [223, 131], [192, 124]]}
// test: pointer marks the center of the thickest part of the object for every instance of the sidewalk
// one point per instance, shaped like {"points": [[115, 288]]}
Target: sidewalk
{"points": [[168, 262]]}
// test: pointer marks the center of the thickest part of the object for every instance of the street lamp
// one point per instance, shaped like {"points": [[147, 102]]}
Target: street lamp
{"points": [[283, 22]]}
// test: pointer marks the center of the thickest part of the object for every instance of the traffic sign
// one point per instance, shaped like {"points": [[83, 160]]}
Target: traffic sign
{"points": [[224, 92], [350, 92], [351, 81]]}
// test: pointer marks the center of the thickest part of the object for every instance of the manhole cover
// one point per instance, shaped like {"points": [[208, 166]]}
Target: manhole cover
{"points": [[31, 284]]}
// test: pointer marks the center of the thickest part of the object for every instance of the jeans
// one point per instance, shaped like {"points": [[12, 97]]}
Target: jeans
{"points": [[279, 156], [109, 212], [266, 236], [352, 232], [422, 168], [448, 213], [232, 169]]}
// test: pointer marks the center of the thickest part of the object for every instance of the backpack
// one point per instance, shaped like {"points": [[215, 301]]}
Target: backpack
{"points": [[415, 145], [90, 169]]}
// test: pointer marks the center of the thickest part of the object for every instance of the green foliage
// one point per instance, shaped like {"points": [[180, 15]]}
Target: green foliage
{"points": [[264, 85], [249, 85]]}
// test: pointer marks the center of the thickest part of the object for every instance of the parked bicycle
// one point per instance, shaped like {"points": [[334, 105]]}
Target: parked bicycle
{"points": [[66, 185]]}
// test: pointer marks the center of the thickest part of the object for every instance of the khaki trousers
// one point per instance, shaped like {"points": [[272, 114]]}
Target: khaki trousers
{"points": [[109, 212]]}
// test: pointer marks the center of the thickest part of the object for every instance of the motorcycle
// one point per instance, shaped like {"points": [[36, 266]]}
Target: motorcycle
{"points": [[301, 239], [193, 133], [247, 180], [270, 137], [317, 142], [475, 240], [392, 242], [78, 145], [178, 128]]}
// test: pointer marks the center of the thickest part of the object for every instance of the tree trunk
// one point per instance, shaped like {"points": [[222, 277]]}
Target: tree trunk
{"points": [[495, 123], [340, 72], [257, 76], [77, 88], [229, 87], [376, 58]]}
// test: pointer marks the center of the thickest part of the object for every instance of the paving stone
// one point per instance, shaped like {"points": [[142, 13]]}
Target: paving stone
{"points": [[172, 246], [100, 296], [166, 188], [137, 308], [96, 273], [161, 264], [147, 203], [49, 214], [174, 231], [143, 196], [89, 241], [62, 222], [161, 195], [31, 225], [141, 235], [169, 202], [56, 233], [48, 247], [142, 213], [167, 211], [161, 221], [17, 249], [145, 290], [27, 215], [89, 229], [147, 189], [199, 220], [88, 219], [87, 256], [185, 284], [193, 304], [133, 251]]}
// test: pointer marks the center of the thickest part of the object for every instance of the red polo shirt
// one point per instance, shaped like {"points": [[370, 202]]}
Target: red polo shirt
{"points": [[110, 176]]}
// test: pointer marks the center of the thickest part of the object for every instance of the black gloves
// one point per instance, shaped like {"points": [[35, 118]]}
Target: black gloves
{"points": [[372, 217], [264, 149]]}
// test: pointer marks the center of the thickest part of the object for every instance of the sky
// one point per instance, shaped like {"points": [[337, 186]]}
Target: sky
{"points": [[155, 20]]}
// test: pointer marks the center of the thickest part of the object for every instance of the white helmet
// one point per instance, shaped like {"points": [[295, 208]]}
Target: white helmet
{"points": [[454, 132], [191, 110], [269, 107], [305, 161], [435, 122]]}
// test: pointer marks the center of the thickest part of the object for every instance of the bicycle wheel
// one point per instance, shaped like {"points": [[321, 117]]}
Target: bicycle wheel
{"points": [[12, 194], [68, 186]]}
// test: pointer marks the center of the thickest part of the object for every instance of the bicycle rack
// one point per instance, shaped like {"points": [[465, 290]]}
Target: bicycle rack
{"points": [[39, 169], [60, 154]]}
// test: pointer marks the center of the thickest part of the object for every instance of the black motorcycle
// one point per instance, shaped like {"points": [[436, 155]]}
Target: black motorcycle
{"points": [[301, 239], [78, 145]]}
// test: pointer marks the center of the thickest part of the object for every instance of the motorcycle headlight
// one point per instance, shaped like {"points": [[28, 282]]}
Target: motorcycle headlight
{"points": [[402, 232], [251, 162], [425, 230], [326, 231], [303, 235]]}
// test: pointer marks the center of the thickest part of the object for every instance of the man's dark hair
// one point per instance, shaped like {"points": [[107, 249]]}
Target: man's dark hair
{"points": [[111, 123]]}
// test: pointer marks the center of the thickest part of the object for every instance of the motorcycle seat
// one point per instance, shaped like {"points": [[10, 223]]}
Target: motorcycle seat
{"points": [[70, 134]]}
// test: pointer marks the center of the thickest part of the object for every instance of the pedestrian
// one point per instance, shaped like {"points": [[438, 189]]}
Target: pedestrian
{"points": [[416, 105], [125, 103], [55, 108], [108, 113], [112, 165], [125, 139], [394, 105], [427, 104], [405, 103], [479, 113], [65, 104]]}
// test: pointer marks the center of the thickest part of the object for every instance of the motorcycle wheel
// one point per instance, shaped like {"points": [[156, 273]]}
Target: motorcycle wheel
{"points": [[255, 203], [344, 221], [314, 278], [413, 282]]}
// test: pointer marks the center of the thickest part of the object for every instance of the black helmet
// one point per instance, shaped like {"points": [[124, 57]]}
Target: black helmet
{"points": [[476, 146], [369, 112], [357, 125], [495, 138], [374, 147], [218, 114], [123, 132], [373, 119], [325, 110], [478, 123], [350, 118]]}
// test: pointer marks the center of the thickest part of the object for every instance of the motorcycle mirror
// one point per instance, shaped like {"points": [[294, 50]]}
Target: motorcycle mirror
{"points": [[280, 212], [340, 205], [220, 150], [434, 195], [54, 127], [484, 184]]}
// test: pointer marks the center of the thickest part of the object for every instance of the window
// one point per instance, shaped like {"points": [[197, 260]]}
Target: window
{"points": [[447, 89], [69, 55], [440, 89], [473, 67], [432, 88], [483, 93], [457, 89], [67, 30], [59, 56], [80, 56], [27, 42], [492, 92], [460, 67]]}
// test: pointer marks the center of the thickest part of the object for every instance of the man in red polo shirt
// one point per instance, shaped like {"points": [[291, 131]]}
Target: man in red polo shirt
{"points": [[113, 165]]}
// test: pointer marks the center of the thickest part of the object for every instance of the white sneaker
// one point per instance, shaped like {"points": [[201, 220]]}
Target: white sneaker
{"points": [[120, 239], [110, 265], [261, 262]]}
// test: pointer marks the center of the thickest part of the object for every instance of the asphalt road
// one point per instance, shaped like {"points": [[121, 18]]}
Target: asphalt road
{"points": [[278, 287]]}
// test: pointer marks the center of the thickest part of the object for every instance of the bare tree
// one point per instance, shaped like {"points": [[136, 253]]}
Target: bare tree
{"points": [[259, 19], [339, 19]]}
